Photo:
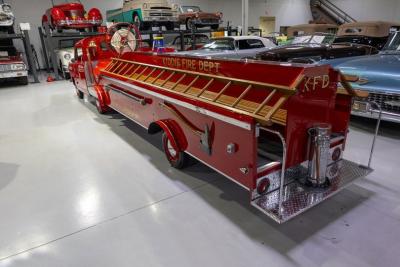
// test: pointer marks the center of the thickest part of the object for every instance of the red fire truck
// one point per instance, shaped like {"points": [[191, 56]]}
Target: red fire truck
{"points": [[277, 130]]}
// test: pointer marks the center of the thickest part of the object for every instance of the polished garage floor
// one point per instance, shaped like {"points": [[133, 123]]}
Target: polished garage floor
{"points": [[82, 189]]}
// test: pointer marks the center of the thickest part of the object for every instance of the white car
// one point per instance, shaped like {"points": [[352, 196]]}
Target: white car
{"points": [[235, 47], [64, 57]]}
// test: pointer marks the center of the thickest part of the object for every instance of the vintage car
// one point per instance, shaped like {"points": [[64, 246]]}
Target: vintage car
{"points": [[234, 47], [199, 41], [307, 29], [194, 17], [314, 48], [6, 18], [146, 13], [12, 67], [71, 14], [65, 54], [380, 76], [280, 135], [373, 33]]}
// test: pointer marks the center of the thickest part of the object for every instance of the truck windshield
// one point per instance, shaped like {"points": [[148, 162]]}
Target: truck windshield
{"points": [[220, 44], [393, 44], [190, 9]]}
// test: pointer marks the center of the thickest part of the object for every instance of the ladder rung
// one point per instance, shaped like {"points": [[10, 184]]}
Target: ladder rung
{"points": [[134, 72], [140, 74], [110, 65], [167, 80], [129, 69], [115, 66], [241, 96], [222, 91], [151, 73], [275, 108], [191, 84], [266, 100], [178, 81], [121, 68], [205, 87], [158, 76]]}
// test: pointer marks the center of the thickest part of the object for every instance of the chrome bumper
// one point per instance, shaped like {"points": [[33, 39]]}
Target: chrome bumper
{"points": [[13, 74], [298, 197]]}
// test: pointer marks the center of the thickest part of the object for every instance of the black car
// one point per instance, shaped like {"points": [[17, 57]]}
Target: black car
{"points": [[314, 48]]}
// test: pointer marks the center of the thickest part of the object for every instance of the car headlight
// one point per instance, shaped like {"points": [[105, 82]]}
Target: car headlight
{"points": [[175, 7], [7, 8], [18, 67], [67, 56]]}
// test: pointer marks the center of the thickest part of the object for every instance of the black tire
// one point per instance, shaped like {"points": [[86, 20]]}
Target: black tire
{"points": [[23, 80], [79, 93], [136, 20], [178, 160], [101, 109], [215, 27], [189, 24], [170, 26]]}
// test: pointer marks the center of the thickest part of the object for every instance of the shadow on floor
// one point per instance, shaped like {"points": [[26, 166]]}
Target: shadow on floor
{"points": [[255, 224], [387, 129], [8, 172]]}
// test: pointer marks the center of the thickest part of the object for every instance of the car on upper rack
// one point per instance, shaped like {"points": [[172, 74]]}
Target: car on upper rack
{"points": [[193, 17], [12, 67], [317, 47], [199, 41], [232, 47], [7, 18], [380, 76], [145, 13], [373, 33], [71, 14]]}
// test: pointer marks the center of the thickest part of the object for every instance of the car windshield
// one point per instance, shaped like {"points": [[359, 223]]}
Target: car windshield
{"points": [[60, 2], [190, 9], [220, 44], [393, 44], [313, 39]]}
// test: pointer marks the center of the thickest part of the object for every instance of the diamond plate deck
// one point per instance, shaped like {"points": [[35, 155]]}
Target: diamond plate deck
{"points": [[297, 197]]}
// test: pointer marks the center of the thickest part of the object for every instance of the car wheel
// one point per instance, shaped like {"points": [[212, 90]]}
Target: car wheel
{"points": [[79, 93], [100, 108], [23, 80], [136, 21], [189, 24], [177, 159]]}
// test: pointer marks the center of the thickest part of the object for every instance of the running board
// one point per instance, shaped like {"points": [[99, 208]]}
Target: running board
{"points": [[299, 197]]}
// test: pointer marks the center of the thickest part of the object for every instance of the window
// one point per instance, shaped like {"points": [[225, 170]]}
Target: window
{"points": [[353, 30], [250, 44]]}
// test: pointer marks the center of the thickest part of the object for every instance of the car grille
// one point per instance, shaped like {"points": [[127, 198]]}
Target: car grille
{"points": [[5, 68], [388, 102], [160, 14]]}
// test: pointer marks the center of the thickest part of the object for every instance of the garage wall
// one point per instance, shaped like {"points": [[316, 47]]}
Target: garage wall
{"points": [[371, 9]]}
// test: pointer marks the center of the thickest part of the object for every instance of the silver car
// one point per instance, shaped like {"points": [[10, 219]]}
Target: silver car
{"points": [[233, 47]]}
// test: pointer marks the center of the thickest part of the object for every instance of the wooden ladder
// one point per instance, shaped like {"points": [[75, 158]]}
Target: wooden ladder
{"points": [[183, 82]]}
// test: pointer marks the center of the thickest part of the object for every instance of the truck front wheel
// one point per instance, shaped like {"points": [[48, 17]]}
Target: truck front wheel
{"points": [[177, 159]]}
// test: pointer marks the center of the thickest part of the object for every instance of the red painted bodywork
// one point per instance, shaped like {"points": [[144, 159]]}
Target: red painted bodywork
{"points": [[304, 109], [75, 14]]}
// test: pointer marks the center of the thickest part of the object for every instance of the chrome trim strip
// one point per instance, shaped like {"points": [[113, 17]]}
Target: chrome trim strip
{"points": [[203, 111], [268, 166]]}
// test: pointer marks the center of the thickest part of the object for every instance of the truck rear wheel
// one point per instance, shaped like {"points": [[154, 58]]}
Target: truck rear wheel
{"points": [[177, 159], [79, 93]]}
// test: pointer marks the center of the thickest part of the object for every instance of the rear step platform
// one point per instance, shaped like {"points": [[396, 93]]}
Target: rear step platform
{"points": [[298, 197]]}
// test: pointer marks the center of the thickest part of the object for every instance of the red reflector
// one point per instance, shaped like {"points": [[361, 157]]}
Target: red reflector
{"points": [[263, 186]]}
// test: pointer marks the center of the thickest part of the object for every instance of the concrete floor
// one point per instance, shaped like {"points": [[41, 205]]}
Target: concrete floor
{"points": [[82, 189]]}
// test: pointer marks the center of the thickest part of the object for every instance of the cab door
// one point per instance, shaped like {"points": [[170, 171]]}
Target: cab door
{"points": [[79, 71]]}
